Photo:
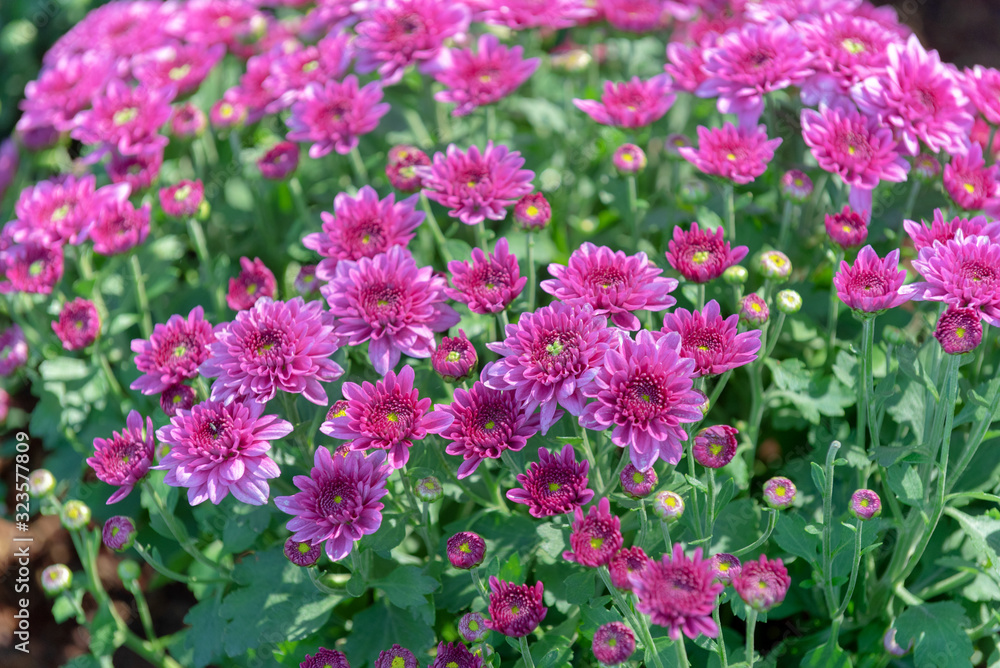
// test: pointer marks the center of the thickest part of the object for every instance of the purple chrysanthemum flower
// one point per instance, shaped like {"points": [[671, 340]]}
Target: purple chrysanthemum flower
{"points": [[944, 230], [325, 658], [254, 282], [477, 78], [739, 155], [713, 342], [847, 228], [969, 182], [678, 592], [61, 207], [668, 506], [177, 398], [389, 302], [926, 167], [873, 284], [182, 199], [455, 655], [629, 159], [549, 358], [490, 283], [297, 66], [139, 170], [624, 563], [279, 161], [305, 281], [13, 349], [401, 166], [396, 657], [982, 85], [472, 627], [554, 485], [631, 104], [595, 538], [362, 226], [119, 226], [526, 14], [339, 500], [455, 358], [173, 352], [486, 424], [125, 118], [123, 460], [476, 185], [754, 310], [685, 63], [532, 212], [187, 121], [635, 483], [515, 610], [644, 390], [466, 550], [762, 584], [715, 446], [796, 186], [865, 504], [181, 66], [216, 449], [613, 644], [959, 330], [700, 255], [893, 647], [332, 116], [643, 15], [274, 346], [78, 324], [612, 283], [779, 492], [388, 415], [725, 566], [118, 533], [302, 554]]}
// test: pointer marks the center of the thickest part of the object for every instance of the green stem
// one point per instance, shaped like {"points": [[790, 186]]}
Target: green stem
{"points": [[525, 652], [834, 312], [643, 523], [719, 386], [756, 410], [622, 463], [442, 243], [988, 151], [839, 616], [160, 568], [682, 656], [102, 361], [665, 527], [529, 257], [710, 509], [786, 219], [947, 584], [751, 627], [197, 235], [773, 339], [720, 642], [975, 439], [179, 535], [321, 586], [491, 123], [479, 585], [633, 208], [911, 199], [143, 607], [481, 236], [771, 522], [594, 464], [358, 165], [827, 536], [140, 293], [730, 202], [700, 301], [864, 380]]}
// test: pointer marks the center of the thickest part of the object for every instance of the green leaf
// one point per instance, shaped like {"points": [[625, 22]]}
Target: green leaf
{"points": [[63, 608], [511, 571], [553, 542], [83, 661], [846, 368], [725, 495], [906, 484], [406, 586], [595, 615], [819, 476], [791, 535], [379, 627], [580, 587], [389, 536], [908, 408], [984, 534], [938, 633], [105, 636], [825, 656], [696, 483], [206, 642]]}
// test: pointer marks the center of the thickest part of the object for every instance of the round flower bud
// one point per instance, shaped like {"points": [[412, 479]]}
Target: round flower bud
{"points": [[675, 141], [472, 627], [41, 482], [56, 579], [129, 570], [455, 358], [926, 167], [796, 186], [959, 330], [668, 506], [774, 265], [847, 229], [428, 489], [482, 651], [305, 280], [692, 192], [753, 310], [613, 644], [865, 504], [119, 533], [187, 121], [788, 301], [75, 515], [177, 398], [326, 658], [302, 554], [395, 657], [637, 484], [532, 212], [401, 167], [725, 566], [715, 446], [629, 159], [894, 335], [762, 584], [891, 646], [779, 492], [279, 161], [466, 550], [735, 275], [705, 403]]}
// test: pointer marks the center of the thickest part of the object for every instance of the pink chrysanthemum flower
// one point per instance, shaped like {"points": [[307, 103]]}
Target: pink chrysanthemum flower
{"points": [[455, 358], [858, 148], [490, 283], [726, 567], [959, 330], [123, 460], [746, 64], [466, 550], [78, 324], [713, 342], [613, 644], [685, 64], [595, 538], [612, 283], [13, 349], [301, 554], [847, 228], [64, 88], [396, 657], [124, 117], [119, 227], [550, 357], [362, 226], [637, 484], [740, 155], [401, 166], [624, 563], [476, 185], [181, 66], [229, 112], [644, 391], [554, 485], [526, 14], [339, 500], [389, 302], [796, 186], [532, 212], [629, 159], [964, 272], [637, 15], [762, 584], [60, 208], [177, 398], [280, 161], [274, 346], [700, 255], [970, 183], [334, 115], [873, 284], [779, 492], [34, 267], [138, 170], [292, 70], [944, 231], [982, 85], [187, 121], [388, 415], [254, 282], [183, 199], [173, 352], [455, 655], [477, 78], [472, 627], [631, 104], [486, 423], [515, 610], [865, 504], [325, 658], [919, 97], [678, 592], [715, 446]]}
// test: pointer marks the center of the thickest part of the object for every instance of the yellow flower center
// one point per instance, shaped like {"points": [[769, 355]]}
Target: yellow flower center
{"points": [[453, 356], [853, 46], [123, 116], [532, 210], [960, 332], [178, 73]]}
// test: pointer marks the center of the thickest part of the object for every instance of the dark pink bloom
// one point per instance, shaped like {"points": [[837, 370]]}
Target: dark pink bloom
{"points": [[302, 554], [228, 112], [779, 492], [847, 228], [455, 358], [726, 567], [678, 592], [970, 183], [362, 226], [685, 63], [595, 538], [396, 657], [183, 199], [635, 483], [762, 584], [515, 610], [613, 644], [35, 267], [334, 115], [401, 167], [476, 185], [187, 121], [177, 398], [254, 282], [490, 283], [963, 272], [60, 208], [472, 627], [474, 79], [78, 324], [796, 186], [64, 88], [118, 533], [180, 66], [624, 563], [713, 342], [944, 231], [325, 658], [982, 84], [339, 501], [125, 118], [525, 14], [455, 655], [138, 170], [389, 302], [638, 15], [10, 160], [873, 284], [123, 460], [532, 212], [292, 70], [865, 503], [466, 550], [612, 283], [700, 255], [631, 104], [629, 159], [13, 350], [279, 161], [715, 446], [388, 415], [959, 330], [173, 352], [644, 390], [754, 310], [739, 155], [119, 227], [554, 485], [206, 22], [305, 280]]}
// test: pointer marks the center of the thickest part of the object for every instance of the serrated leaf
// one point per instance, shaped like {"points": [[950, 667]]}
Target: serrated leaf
{"points": [[908, 408], [206, 642], [906, 483], [406, 586], [580, 587], [63, 608], [984, 534], [826, 656], [724, 495], [553, 544], [792, 536], [511, 571], [938, 633], [105, 636], [845, 368]]}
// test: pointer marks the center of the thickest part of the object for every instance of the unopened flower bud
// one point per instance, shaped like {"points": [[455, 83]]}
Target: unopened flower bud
{"points": [[774, 265], [735, 275], [629, 159], [472, 627], [455, 358], [428, 489], [532, 212], [75, 515], [129, 570], [753, 310], [865, 504], [959, 330], [302, 554], [466, 550], [56, 579], [796, 186], [926, 167], [789, 301], [779, 492], [119, 533], [675, 141], [637, 484], [668, 506], [692, 192], [41, 482]]}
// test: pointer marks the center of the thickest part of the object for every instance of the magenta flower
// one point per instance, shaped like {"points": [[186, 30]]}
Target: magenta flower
{"points": [[515, 610], [177, 398], [362, 226], [532, 212], [466, 550], [182, 199], [472, 627], [970, 183], [339, 500], [715, 446], [476, 185], [490, 283], [59, 208], [137, 170], [638, 15], [13, 350], [982, 85], [611, 283], [613, 644], [944, 231], [325, 658], [754, 310], [865, 504], [685, 63], [762, 584], [700, 255], [746, 64], [180, 66], [123, 460], [334, 115], [631, 104], [550, 357], [455, 655], [401, 166], [125, 118], [476, 79], [119, 226], [714, 343], [35, 266], [254, 282], [389, 415], [118, 533], [486, 423], [595, 538], [391, 658], [964, 272], [796, 186], [64, 88], [739, 155], [291, 71], [873, 284], [187, 121], [389, 302], [173, 352], [779, 492], [926, 167], [554, 485], [624, 563], [678, 592], [637, 484], [959, 330], [301, 554], [526, 14], [644, 390], [726, 567], [629, 159], [274, 346], [78, 324], [279, 161], [455, 358], [847, 228]]}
